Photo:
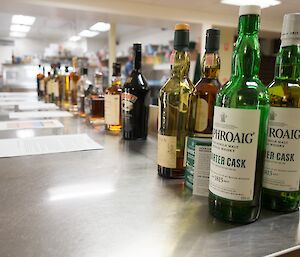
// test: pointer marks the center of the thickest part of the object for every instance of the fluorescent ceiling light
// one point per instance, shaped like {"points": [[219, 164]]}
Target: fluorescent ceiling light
{"points": [[261, 3], [88, 33], [100, 26], [17, 34], [19, 28], [21, 19], [74, 38]]}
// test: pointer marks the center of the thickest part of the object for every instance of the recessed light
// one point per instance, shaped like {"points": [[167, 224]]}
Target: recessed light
{"points": [[74, 38], [261, 3], [88, 33], [100, 26], [19, 28], [22, 19], [17, 34]]}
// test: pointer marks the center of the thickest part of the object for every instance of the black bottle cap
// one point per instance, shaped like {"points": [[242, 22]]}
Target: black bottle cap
{"points": [[67, 69], [182, 37], [84, 71], [116, 69], [137, 47], [212, 43]]}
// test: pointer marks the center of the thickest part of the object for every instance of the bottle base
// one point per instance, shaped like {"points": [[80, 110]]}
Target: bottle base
{"points": [[280, 201], [170, 173], [236, 212]]}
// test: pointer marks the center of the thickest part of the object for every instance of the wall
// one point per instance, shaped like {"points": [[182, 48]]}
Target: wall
{"points": [[226, 50]]}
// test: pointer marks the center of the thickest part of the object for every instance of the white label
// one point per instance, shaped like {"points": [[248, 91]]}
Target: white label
{"points": [[166, 154], [56, 89], [282, 162], [42, 85], [201, 115], [72, 85], [112, 109], [201, 170], [234, 150]]}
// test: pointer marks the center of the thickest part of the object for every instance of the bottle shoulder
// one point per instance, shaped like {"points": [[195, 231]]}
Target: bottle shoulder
{"points": [[176, 85], [136, 80], [208, 85]]}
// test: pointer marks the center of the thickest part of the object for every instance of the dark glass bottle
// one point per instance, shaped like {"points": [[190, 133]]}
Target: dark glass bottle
{"points": [[135, 101], [240, 131], [281, 190], [201, 110]]}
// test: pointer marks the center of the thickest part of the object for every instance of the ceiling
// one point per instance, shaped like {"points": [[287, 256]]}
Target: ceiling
{"points": [[60, 19]]}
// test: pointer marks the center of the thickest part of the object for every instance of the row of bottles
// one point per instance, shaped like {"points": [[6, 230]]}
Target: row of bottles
{"points": [[250, 161], [118, 107]]}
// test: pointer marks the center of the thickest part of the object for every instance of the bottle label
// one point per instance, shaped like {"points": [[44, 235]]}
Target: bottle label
{"points": [[166, 154], [42, 85], [56, 89], [198, 164], [112, 109], [72, 85], [234, 150], [282, 161], [201, 115]]}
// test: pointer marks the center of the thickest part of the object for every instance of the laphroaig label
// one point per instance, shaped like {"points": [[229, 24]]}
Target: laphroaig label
{"points": [[166, 153], [282, 162], [112, 109], [234, 150]]}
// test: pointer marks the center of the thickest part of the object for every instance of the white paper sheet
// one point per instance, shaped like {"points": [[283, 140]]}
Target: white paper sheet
{"points": [[18, 99], [47, 144], [41, 114], [12, 94], [30, 124], [40, 106]]}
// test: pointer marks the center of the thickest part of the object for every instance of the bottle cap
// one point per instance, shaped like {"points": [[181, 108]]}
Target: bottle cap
{"points": [[290, 34], [137, 47], [212, 43], [182, 37], [249, 9], [116, 69], [84, 71]]}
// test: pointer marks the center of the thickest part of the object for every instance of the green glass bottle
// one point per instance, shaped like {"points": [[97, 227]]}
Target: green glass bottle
{"points": [[282, 163], [173, 108], [239, 131]]}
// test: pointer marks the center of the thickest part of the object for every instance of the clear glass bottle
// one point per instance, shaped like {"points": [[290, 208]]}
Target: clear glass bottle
{"points": [[40, 80], [240, 130], [95, 101], [66, 91], [135, 101], [281, 190], [174, 100], [201, 111], [113, 118], [74, 78], [83, 84]]}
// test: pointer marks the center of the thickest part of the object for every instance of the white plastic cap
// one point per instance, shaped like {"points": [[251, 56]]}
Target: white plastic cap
{"points": [[249, 9], [290, 34]]}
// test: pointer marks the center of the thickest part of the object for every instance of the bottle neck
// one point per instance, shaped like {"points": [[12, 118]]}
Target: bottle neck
{"points": [[137, 63], [288, 63], [246, 55], [116, 81], [181, 64], [211, 65]]}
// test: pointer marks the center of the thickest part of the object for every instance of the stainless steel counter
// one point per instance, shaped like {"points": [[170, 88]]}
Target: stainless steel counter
{"points": [[111, 203]]}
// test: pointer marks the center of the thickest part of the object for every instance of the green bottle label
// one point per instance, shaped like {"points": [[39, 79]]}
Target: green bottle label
{"points": [[282, 162], [234, 153]]}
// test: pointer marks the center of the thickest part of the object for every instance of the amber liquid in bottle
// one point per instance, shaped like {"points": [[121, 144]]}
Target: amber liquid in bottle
{"points": [[74, 78]]}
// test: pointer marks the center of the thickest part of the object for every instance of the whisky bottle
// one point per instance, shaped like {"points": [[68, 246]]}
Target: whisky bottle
{"points": [[201, 112], [39, 78], [74, 78], [135, 101], [82, 88], [174, 99], [113, 94], [240, 130], [61, 85], [47, 87], [95, 101], [282, 163], [66, 91]]}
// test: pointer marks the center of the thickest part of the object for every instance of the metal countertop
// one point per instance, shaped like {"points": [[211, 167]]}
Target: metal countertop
{"points": [[111, 203]]}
